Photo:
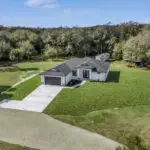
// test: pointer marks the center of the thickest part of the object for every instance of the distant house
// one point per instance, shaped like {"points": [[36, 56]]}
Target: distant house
{"points": [[76, 69]]}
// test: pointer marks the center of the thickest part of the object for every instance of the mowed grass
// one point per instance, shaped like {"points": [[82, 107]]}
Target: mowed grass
{"points": [[23, 89], [116, 109], [10, 75], [7, 146]]}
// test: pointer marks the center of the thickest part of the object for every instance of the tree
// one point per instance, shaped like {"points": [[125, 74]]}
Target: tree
{"points": [[4, 49], [28, 49], [72, 41], [118, 51], [50, 51], [137, 48], [148, 55], [45, 37], [103, 40], [19, 35], [70, 49], [17, 54]]}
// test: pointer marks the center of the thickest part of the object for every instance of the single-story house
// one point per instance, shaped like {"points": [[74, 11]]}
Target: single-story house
{"points": [[76, 69]]}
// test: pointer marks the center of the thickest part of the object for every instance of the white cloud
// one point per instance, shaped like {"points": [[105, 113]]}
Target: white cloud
{"points": [[42, 3], [68, 10]]}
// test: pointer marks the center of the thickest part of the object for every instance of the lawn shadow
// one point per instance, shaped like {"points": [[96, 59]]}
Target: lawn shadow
{"points": [[16, 68], [4, 95], [113, 76], [29, 69]]}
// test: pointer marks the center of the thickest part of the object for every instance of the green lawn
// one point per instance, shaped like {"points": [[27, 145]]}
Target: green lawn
{"points": [[7, 146], [9, 75], [115, 109], [23, 89]]}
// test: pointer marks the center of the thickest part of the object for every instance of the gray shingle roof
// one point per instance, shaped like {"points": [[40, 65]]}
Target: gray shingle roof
{"points": [[100, 66], [76, 62], [60, 70], [65, 68]]}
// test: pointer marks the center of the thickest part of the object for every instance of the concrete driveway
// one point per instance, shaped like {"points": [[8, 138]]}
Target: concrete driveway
{"points": [[37, 130], [37, 101]]}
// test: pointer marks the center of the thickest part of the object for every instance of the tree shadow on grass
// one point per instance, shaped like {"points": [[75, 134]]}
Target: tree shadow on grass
{"points": [[113, 76], [4, 95], [29, 69], [3, 88], [16, 68]]}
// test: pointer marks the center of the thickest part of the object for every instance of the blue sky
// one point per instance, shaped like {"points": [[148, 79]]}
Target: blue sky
{"points": [[54, 13]]}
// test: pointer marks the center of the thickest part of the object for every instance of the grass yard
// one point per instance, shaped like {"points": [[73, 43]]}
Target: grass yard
{"points": [[116, 109], [23, 89], [7, 146], [9, 75]]}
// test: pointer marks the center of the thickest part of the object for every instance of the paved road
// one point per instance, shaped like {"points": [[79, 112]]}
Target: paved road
{"points": [[40, 131], [36, 101]]}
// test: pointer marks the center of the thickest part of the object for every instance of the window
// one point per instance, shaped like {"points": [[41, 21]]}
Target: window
{"points": [[74, 73], [86, 74]]}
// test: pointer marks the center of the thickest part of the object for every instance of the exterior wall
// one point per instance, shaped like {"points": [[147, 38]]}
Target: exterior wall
{"points": [[63, 82], [42, 79], [99, 77], [94, 76], [107, 73], [68, 78], [80, 74]]}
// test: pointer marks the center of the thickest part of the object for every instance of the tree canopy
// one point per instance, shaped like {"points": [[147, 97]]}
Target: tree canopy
{"points": [[135, 49], [19, 43]]}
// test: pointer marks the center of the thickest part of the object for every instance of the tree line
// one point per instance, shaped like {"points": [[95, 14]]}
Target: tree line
{"points": [[20, 43]]}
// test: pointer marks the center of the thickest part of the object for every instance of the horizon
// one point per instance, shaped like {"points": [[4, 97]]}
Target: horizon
{"points": [[109, 24], [65, 13]]}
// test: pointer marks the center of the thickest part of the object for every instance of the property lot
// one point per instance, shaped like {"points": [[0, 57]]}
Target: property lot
{"points": [[116, 109]]}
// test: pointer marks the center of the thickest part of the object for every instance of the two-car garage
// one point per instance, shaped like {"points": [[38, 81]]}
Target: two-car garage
{"points": [[53, 80], [60, 75]]}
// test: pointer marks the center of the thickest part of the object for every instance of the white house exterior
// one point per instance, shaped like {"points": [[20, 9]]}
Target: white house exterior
{"points": [[76, 69]]}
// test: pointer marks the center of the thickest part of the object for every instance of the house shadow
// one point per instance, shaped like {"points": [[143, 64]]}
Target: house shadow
{"points": [[114, 76]]}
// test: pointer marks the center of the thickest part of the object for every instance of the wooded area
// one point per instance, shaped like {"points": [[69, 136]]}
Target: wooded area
{"points": [[128, 41]]}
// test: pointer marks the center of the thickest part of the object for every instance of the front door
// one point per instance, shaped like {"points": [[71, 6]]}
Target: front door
{"points": [[86, 74]]}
